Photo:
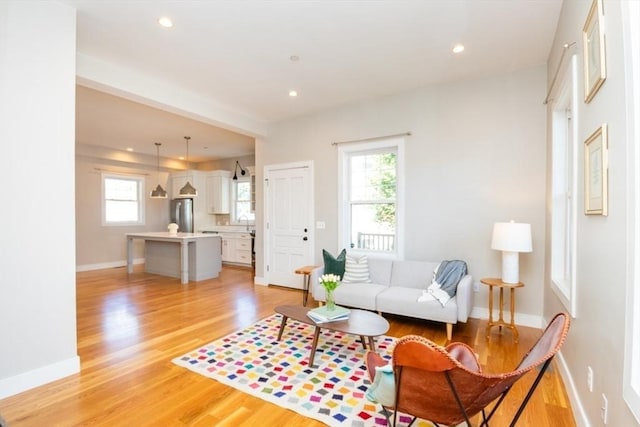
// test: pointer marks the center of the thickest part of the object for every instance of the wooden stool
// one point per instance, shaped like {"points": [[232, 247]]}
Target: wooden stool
{"points": [[306, 270]]}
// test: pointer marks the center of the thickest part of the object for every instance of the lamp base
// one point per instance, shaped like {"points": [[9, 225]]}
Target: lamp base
{"points": [[510, 267]]}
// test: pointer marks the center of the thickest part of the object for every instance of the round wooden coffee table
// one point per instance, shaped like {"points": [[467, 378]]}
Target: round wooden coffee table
{"points": [[360, 322]]}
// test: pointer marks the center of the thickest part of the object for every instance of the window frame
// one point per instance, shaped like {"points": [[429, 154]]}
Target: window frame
{"points": [[140, 184], [234, 202], [564, 179], [345, 151]]}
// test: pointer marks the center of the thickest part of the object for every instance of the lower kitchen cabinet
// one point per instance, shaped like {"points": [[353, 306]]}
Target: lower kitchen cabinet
{"points": [[236, 248]]}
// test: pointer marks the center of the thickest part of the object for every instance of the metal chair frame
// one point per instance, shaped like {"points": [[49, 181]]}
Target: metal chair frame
{"points": [[528, 360]]}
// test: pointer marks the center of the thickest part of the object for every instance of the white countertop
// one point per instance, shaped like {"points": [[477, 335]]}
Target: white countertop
{"points": [[166, 236], [228, 229]]}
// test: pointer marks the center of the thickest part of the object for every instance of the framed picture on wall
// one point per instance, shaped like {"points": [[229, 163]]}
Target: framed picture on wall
{"points": [[596, 171], [595, 71]]}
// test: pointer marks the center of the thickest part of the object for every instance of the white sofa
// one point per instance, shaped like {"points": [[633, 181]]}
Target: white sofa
{"points": [[396, 286]]}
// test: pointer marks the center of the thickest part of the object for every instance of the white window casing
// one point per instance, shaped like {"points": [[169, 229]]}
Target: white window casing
{"points": [[631, 377], [346, 152], [564, 188], [123, 202]]}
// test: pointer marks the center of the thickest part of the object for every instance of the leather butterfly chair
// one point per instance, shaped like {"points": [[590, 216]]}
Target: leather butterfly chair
{"points": [[446, 385]]}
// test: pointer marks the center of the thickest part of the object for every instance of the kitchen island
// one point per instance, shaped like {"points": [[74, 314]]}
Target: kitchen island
{"points": [[187, 256]]}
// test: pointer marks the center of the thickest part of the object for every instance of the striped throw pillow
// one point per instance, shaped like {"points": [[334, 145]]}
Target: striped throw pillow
{"points": [[356, 269]]}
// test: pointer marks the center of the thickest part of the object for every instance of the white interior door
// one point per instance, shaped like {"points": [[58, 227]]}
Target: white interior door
{"points": [[289, 222]]}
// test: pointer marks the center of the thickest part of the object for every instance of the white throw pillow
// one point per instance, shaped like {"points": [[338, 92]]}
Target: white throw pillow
{"points": [[356, 269]]}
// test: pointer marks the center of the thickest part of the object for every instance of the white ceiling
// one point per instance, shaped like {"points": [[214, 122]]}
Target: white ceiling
{"points": [[237, 54]]}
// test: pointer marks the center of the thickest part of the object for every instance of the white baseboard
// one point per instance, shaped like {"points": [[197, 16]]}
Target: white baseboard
{"points": [[258, 280], [522, 319], [37, 377], [576, 404], [104, 265]]}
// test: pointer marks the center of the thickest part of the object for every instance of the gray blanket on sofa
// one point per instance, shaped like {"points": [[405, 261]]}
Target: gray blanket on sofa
{"points": [[449, 275]]}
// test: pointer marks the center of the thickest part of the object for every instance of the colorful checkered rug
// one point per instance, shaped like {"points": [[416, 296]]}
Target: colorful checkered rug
{"points": [[255, 362]]}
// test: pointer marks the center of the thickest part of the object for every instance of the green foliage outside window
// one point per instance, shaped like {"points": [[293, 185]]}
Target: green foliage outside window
{"points": [[386, 184]]}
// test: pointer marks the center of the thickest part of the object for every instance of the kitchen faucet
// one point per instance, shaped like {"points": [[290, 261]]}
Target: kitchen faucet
{"points": [[246, 219]]}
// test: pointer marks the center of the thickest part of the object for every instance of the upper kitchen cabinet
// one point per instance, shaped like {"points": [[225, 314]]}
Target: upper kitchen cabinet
{"points": [[218, 192], [179, 179]]}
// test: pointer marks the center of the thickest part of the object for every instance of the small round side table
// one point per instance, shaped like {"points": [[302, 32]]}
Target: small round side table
{"points": [[498, 283]]}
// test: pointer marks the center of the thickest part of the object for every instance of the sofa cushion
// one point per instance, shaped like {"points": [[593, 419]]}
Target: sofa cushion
{"points": [[334, 265], [412, 274], [356, 269], [404, 301], [380, 270], [360, 295]]}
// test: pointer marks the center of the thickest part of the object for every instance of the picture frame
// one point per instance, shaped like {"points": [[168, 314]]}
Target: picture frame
{"points": [[596, 173], [594, 51]]}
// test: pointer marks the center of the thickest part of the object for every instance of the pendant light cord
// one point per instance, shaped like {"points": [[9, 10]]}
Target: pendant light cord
{"points": [[187, 138], [158, 157]]}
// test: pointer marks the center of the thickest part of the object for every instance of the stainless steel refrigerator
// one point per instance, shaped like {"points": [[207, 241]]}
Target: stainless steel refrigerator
{"points": [[182, 214]]}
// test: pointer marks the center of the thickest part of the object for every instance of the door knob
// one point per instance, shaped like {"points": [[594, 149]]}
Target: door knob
{"points": [[305, 238]]}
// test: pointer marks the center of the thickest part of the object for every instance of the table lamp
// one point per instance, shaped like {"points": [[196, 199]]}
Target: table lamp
{"points": [[511, 238]]}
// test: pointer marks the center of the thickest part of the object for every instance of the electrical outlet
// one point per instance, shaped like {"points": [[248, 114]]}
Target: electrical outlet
{"points": [[590, 378], [476, 286], [604, 409], [320, 225]]}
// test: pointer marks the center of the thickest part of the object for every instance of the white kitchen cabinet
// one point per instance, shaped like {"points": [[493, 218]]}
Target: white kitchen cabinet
{"points": [[178, 180], [236, 248], [243, 249], [217, 186], [228, 245]]}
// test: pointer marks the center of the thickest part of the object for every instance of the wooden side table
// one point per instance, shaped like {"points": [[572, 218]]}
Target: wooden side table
{"points": [[306, 271], [498, 283]]}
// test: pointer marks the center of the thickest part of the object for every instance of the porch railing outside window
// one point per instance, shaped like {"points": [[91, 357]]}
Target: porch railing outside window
{"points": [[376, 242]]}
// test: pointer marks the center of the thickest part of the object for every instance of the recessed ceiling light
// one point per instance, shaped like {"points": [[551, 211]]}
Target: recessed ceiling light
{"points": [[181, 158], [165, 22], [129, 149], [293, 93], [458, 48]]}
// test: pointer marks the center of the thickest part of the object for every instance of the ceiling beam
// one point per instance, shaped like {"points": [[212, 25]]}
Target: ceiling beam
{"points": [[136, 86]]}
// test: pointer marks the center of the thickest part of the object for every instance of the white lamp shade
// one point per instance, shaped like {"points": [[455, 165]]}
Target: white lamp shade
{"points": [[511, 237]]}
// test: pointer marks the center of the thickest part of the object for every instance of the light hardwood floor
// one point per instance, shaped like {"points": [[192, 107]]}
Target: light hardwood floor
{"points": [[131, 326]]}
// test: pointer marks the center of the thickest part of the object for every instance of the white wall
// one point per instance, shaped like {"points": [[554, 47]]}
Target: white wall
{"points": [[37, 107], [101, 246], [105, 247], [596, 337], [476, 156]]}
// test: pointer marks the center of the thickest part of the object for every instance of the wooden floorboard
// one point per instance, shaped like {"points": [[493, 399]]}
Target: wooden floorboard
{"points": [[130, 327]]}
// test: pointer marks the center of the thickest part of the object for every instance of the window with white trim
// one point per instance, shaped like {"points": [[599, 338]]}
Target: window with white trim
{"points": [[242, 202], [122, 200], [371, 194], [631, 377], [563, 188]]}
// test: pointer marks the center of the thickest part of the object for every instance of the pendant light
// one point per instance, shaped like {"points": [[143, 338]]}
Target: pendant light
{"points": [[188, 190], [235, 172], [159, 192]]}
